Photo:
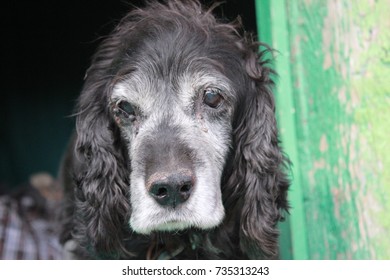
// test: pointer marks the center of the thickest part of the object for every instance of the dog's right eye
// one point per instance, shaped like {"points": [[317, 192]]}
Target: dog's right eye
{"points": [[212, 97], [126, 109]]}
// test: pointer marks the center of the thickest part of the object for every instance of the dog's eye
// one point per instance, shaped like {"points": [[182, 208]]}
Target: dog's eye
{"points": [[212, 97], [126, 109]]}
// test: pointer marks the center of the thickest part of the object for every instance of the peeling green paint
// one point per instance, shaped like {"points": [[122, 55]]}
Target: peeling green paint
{"points": [[339, 61], [343, 47], [370, 85], [317, 31]]}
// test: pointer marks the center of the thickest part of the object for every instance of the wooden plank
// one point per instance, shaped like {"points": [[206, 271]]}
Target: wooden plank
{"points": [[340, 67], [333, 103]]}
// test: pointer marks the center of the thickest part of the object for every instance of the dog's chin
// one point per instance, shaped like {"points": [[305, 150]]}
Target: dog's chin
{"points": [[175, 224], [172, 226]]}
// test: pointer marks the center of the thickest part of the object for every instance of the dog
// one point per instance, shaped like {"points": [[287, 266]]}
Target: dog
{"points": [[175, 153]]}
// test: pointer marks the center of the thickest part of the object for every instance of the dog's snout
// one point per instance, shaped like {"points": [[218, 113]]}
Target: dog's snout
{"points": [[172, 190]]}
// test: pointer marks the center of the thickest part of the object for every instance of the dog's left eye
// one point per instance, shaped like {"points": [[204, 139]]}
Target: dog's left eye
{"points": [[212, 97], [126, 109]]}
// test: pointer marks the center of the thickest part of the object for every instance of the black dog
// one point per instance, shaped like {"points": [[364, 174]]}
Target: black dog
{"points": [[176, 152]]}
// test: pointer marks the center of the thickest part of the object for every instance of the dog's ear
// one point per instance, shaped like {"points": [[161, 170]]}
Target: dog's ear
{"points": [[101, 175], [258, 176]]}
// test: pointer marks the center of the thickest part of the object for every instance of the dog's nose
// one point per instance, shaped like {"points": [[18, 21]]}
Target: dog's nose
{"points": [[172, 190]]}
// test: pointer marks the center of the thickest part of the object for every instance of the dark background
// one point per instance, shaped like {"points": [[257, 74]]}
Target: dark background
{"points": [[46, 47]]}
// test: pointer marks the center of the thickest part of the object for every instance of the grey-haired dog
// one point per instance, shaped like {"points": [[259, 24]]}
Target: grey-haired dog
{"points": [[176, 151]]}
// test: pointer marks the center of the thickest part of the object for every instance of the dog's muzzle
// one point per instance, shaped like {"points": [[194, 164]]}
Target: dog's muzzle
{"points": [[170, 177]]}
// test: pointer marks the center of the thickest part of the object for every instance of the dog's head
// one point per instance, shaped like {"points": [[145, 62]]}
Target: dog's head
{"points": [[176, 129]]}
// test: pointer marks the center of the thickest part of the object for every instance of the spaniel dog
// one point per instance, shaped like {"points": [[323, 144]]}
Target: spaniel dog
{"points": [[176, 152]]}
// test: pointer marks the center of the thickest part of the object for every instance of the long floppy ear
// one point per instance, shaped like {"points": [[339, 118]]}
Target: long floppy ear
{"points": [[258, 163], [101, 172]]}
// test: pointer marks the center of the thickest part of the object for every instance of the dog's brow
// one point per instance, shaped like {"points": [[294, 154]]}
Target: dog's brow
{"points": [[119, 92], [139, 88]]}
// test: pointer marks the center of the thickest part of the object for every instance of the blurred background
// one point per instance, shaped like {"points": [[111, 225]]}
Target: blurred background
{"points": [[333, 107]]}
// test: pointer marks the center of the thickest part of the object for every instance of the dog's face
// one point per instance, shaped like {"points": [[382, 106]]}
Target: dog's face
{"points": [[174, 106], [176, 130]]}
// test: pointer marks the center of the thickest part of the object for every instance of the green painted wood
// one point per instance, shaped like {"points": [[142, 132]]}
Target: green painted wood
{"points": [[340, 57], [338, 54]]}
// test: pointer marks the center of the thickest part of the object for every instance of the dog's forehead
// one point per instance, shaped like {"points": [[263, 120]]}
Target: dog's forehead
{"points": [[172, 64]]}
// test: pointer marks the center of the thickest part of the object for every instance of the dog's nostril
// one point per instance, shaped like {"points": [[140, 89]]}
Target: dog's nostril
{"points": [[160, 191], [185, 189], [173, 190]]}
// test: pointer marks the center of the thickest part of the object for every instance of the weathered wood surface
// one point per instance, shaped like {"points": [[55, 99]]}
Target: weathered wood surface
{"points": [[337, 55]]}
